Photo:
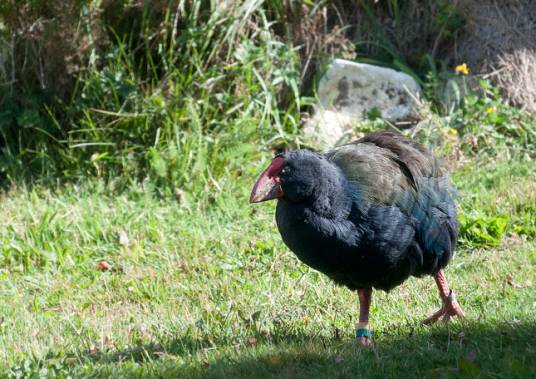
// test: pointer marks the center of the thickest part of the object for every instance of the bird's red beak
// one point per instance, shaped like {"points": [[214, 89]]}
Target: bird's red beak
{"points": [[267, 186]]}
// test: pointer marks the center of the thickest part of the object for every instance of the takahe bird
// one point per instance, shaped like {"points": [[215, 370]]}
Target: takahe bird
{"points": [[368, 214]]}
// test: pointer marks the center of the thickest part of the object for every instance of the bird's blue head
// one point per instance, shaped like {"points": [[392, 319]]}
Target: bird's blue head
{"points": [[298, 175]]}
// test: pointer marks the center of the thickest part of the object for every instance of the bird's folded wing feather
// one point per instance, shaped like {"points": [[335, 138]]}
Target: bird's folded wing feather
{"points": [[389, 170], [383, 165]]}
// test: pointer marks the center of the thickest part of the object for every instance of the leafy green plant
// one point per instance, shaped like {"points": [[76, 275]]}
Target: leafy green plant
{"points": [[488, 125], [182, 104], [480, 231]]}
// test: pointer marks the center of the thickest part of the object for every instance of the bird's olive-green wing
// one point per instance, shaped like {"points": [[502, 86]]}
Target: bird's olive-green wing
{"points": [[414, 159], [384, 165], [372, 170]]}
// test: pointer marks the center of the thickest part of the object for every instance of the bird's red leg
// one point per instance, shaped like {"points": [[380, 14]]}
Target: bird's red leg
{"points": [[363, 331], [450, 305]]}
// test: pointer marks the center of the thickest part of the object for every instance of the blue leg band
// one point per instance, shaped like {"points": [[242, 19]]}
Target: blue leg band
{"points": [[363, 333]]}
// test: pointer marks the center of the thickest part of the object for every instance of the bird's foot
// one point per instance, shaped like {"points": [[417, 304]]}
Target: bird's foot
{"points": [[364, 337], [450, 308], [365, 341]]}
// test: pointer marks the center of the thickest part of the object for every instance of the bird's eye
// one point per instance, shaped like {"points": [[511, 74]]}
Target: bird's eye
{"points": [[285, 171]]}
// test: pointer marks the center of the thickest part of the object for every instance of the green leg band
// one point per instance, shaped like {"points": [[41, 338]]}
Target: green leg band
{"points": [[363, 333]]}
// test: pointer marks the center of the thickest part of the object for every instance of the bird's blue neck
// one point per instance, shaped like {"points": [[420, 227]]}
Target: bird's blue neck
{"points": [[332, 212], [337, 199]]}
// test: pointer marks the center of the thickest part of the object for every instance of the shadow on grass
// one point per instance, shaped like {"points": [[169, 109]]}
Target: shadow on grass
{"points": [[468, 350]]}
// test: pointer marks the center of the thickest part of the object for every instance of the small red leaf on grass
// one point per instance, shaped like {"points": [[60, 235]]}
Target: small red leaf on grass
{"points": [[252, 341], [104, 266]]}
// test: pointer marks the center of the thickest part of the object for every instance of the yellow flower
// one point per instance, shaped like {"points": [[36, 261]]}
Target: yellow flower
{"points": [[462, 69], [491, 110], [306, 319], [449, 132]]}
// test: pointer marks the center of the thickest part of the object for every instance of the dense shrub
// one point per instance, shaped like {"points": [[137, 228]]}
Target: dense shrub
{"points": [[146, 89], [182, 93]]}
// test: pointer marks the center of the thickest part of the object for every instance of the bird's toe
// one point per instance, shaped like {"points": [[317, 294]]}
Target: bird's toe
{"points": [[364, 341], [433, 318], [450, 308], [454, 309]]}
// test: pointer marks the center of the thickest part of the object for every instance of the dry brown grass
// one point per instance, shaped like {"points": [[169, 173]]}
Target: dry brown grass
{"points": [[47, 43], [499, 41]]}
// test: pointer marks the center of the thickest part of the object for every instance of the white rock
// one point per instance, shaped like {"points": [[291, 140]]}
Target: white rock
{"points": [[354, 89], [348, 91], [325, 128]]}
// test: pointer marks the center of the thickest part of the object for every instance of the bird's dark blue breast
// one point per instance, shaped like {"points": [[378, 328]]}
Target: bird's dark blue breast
{"points": [[375, 253], [316, 247]]}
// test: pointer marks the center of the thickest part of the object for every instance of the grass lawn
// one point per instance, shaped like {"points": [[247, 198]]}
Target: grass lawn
{"points": [[132, 251], [211, 291]]}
